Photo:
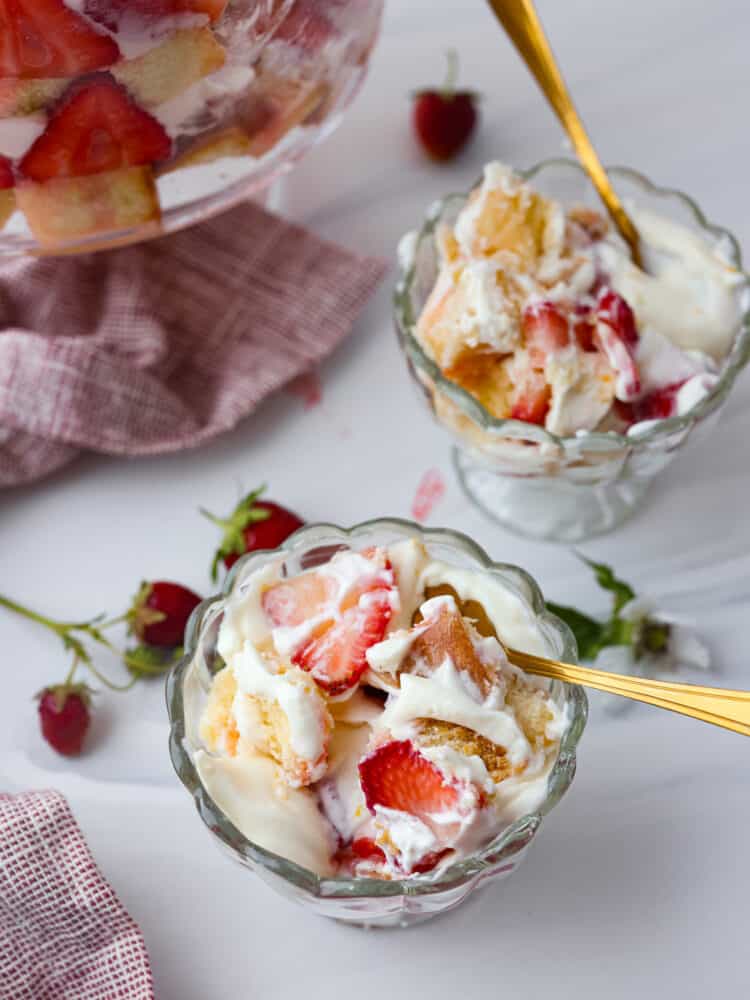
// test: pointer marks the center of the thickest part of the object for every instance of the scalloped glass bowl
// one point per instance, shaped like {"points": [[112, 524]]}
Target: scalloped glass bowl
{"points": [[540, 485], [318, 75], [368, 902]]}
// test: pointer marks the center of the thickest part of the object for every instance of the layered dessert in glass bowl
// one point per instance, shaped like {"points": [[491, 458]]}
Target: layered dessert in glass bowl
{"points": [[350, 728], [124, 119], [568, 376]]}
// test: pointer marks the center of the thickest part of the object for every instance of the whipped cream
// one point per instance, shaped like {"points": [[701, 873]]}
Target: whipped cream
{"points": [[688, 293]]}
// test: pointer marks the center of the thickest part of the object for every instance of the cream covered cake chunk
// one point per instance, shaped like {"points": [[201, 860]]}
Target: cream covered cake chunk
{"points": [[539, 312], [373, 692]]}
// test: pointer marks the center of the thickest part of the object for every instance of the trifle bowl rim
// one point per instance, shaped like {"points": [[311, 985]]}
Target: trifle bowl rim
{"points": [[475, 867], [659, 432]]}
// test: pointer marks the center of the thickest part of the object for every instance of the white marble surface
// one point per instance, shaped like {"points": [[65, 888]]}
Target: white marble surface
{"points": [[638, 884]]}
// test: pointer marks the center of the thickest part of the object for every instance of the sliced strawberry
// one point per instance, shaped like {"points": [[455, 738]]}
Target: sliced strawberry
{"points": [[367, 849], [428, 862], [546, 330], [40, 39], [625, 412], [584, 328], [298, 599], [7, 180], [346, 625], [397, 776], [659, 404], [109, 12], [336, 654], [617, 338], [96, 128], [531, 398], [615, 311]]}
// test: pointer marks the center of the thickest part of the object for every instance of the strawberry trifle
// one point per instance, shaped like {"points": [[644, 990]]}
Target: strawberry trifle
{"points": [[540, 314], [366, 722], [102, 100]]}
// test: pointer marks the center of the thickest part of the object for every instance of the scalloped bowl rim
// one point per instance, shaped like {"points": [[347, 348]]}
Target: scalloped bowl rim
{"points": [[513, 838], [733, 365]]}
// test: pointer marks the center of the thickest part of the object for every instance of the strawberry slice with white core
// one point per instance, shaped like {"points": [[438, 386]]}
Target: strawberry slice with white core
{"points": [[545, 330], [6, 174], [40, 39], [617, 338], [327, 619], [109, 12], [336, 655], [298, 599], [96, 128], [397, 776]]}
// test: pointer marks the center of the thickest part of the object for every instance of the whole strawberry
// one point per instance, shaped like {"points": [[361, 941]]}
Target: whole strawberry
{"points": [[444, 120], [253, 524], [64, 716], [160, 612]]}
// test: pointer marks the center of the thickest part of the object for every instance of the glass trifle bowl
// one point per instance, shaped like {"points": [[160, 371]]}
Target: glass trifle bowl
{"points": [[367, 901], [530, 480], [124, 119]]}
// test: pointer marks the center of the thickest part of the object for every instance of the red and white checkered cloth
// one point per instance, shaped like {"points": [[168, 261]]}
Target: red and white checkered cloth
{"points": [[64, 935], [162, 346]]}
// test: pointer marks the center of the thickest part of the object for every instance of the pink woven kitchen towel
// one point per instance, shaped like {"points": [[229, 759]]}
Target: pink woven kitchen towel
{"points": [[64, 935], [162, 346]]}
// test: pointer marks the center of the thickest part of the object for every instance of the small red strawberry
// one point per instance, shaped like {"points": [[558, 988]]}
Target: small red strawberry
{"points": [[253, 524], [445, 119], [545, 330], [160, 612], [45, 38], [94, 129], [64, 716], [7, 179], [397, 776]]}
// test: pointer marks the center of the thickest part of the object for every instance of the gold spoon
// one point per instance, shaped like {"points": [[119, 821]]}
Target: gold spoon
{"points": [[719, 706], [521, 22]]}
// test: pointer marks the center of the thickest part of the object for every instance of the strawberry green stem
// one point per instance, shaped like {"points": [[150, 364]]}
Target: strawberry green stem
{"points": [[34, 616], [71, 672], [108, 683], [451, 76]]}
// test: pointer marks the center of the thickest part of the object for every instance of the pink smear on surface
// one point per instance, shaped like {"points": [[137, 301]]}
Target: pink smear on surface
{"points": [[430, 492], [308, 388]]}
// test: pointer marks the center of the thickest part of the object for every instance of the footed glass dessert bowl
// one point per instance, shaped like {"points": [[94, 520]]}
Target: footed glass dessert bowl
{"points": [[542, 475], [275, 580], [121, 120]]}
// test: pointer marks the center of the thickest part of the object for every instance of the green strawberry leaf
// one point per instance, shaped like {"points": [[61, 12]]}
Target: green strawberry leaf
{"points": [[590, 634], [621, 592]]}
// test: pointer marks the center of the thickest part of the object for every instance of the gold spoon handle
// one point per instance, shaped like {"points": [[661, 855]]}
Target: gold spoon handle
{"points": [[719, 706], [522, 24]]}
